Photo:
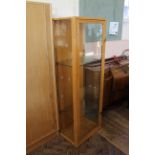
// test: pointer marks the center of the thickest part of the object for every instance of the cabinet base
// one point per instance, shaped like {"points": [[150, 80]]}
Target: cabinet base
{"points": [[84, 139]]}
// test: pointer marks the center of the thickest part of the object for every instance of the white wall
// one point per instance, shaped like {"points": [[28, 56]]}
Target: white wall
{"points": [[62, 8], [115, 48]]}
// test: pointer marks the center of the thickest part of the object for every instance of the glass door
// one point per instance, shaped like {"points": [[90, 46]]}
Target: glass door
{"points": [[89, 48]]}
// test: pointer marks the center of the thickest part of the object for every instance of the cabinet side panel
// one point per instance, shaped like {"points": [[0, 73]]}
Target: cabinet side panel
{"points": [[63, 58], [41, 119]]}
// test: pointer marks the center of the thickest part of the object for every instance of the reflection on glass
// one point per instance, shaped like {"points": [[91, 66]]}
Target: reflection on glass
{"points": [[90, 73], [62, 44]]}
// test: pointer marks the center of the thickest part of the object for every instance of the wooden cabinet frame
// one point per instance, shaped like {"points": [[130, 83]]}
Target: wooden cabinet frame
{"points": [[75, 36]]}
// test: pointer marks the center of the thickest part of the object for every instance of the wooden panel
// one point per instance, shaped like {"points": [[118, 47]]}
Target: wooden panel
{"points": [[102, 64], [41, 96], [75, 83], [40, 142]]}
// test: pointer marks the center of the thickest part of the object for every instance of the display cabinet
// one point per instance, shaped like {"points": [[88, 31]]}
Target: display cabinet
{"points": [[79, 45]]}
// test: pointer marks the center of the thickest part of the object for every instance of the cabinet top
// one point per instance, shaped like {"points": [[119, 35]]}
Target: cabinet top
{"points": [[80, 18]]}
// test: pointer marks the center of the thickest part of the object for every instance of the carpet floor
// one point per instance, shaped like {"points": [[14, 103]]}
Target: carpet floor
{"points": [[96, 145]]}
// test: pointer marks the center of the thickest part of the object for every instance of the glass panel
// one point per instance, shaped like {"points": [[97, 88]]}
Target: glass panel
{"points": [[62, 44], [90, 74], [62, 40]]}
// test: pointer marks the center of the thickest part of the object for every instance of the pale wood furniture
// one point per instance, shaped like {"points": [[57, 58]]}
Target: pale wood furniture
{"points": [[41, 107], [78, 41]]}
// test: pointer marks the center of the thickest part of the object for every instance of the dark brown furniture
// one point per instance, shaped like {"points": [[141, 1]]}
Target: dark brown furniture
{"points": [[116, 81]]}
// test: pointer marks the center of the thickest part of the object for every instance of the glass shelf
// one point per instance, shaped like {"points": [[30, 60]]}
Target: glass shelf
{"points": [[84, 61]]}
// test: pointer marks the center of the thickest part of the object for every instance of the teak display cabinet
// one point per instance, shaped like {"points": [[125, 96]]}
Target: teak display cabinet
{"points": [[79, 45]]}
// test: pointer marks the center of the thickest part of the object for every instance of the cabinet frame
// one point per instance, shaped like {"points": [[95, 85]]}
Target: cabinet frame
{"points": [[75, 23]]}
